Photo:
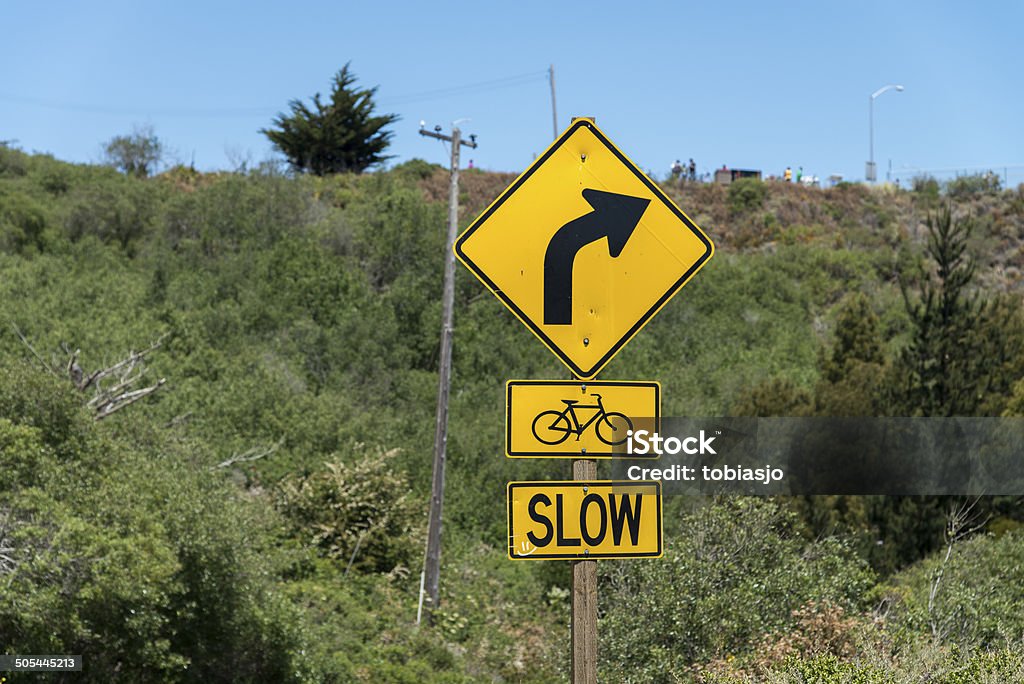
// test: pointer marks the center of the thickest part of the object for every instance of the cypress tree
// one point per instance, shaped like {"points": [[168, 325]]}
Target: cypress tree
{"points": [[341, 135]]}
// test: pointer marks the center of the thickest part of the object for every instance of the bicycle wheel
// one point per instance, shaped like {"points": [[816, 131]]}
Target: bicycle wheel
{"points": [[613, 427], [551, 427]]}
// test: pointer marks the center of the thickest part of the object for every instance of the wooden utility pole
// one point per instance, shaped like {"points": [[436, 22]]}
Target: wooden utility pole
{"points": [[554, 111], [584, 600], [431, 578], [584, 574]]}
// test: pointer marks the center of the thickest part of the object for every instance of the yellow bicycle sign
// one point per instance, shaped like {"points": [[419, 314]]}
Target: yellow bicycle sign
{"points": [[554, 427], [574, 419]]}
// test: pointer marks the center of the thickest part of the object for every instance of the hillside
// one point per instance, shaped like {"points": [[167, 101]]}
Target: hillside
{"points": [[261, 515]]}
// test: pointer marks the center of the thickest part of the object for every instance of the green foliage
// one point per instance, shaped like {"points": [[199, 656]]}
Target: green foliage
{"points": [[150, 567], [969, 186], [136, 154], [828, 668], [222, 216], [360, 513], [13, 163], [336, 137], [303, 319], [23, 223], [965, 351], [47, 405], [977, 592], [417, 169], [775, 397], [735, 570], [857, 339], [927, 188], [115, 210], [852, 371], [933, 376], [746, 195]]}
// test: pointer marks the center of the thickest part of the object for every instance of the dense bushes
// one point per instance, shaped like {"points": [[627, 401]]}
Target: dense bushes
{"points": [[152, 570], [359, 513], [302, 323], [734, 571]]}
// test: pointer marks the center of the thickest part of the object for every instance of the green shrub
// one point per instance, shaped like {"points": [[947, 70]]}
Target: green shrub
{"points": [[734, 571], [965, 187], [746, 195], [926, 186], [359, 513], [13, 163], [22, 222], [116, 210], [124, 552], [978, 599]]}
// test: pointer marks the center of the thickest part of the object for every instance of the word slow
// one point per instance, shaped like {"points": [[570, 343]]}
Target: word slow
{"points": [[619, 514]]}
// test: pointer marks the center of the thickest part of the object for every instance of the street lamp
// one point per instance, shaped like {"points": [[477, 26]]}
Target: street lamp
{"points": [[870, 171]]}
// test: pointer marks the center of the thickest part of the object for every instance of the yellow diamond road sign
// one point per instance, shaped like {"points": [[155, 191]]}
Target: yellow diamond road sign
{"points": [[584, 248]]}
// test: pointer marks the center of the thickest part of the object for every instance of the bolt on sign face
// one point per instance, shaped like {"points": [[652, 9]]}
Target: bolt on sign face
{"points": [[565, 419], [584, 520], [584, 248]]}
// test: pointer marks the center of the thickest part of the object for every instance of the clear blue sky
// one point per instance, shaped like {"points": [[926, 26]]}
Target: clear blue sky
{"points": [[748, 84]]}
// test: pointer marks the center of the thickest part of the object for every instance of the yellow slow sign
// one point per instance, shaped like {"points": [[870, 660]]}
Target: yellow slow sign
{"points": [[565, 419], [577, 520], [584, 248]]}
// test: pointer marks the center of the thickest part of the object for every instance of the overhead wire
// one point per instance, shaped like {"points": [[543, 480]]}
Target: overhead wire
{"points": [[496, 84], [238, 112]]}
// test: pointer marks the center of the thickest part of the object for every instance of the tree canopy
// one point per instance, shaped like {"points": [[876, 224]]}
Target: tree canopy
{"points": [[342, 135], [137, 154]]}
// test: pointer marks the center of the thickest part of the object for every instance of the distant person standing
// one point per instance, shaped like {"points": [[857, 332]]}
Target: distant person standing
{"points": [[787, 175], [693, 169], [677, 168], [799, 173]]}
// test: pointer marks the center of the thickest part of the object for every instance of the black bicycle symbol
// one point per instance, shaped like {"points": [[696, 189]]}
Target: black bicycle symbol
{"points": [[554, 427]]}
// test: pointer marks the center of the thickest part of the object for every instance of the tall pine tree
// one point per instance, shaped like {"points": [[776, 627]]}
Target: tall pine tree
{"points": [[935, 373], [342, 135]]}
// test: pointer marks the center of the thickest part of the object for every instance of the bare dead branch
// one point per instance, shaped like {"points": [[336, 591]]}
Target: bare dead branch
{"points": [[32, 349], [961, 523], [128, 363], [126, 373], [117, 389], [253, 454], [119, 402], [7, 562]]}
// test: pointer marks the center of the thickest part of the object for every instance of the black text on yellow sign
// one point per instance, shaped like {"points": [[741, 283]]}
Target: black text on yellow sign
{"points": [[584, 248], [568, 419], [584, 520]]}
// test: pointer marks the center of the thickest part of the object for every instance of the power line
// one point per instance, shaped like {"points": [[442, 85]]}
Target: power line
{"points": [[119, 111], [496, 84], [239, 112]]}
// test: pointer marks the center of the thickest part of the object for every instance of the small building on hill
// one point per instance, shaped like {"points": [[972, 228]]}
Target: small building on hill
{"points": [[726, 175]]}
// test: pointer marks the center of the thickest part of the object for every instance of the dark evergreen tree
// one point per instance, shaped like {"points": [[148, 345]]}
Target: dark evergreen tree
{"points": [[342, 135], [934, 374], [857, 339], [852, 369]]}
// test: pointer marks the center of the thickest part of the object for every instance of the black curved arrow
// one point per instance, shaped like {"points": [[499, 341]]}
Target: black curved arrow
{"points": [[615, 217]]}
